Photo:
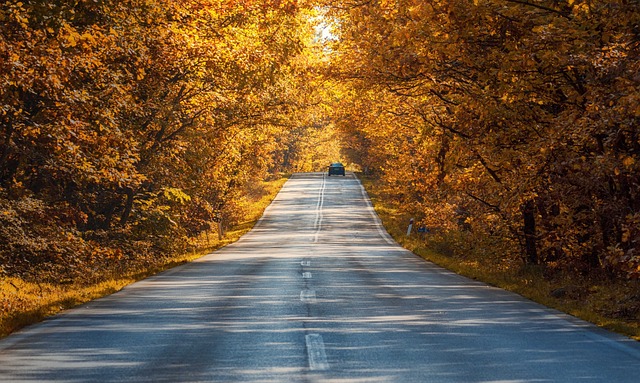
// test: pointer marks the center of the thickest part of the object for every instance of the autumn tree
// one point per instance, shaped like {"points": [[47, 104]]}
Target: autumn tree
{"points": [[128, 126], [518, 119]]}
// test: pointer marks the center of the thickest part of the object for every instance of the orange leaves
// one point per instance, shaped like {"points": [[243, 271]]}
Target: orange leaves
{"points": [[629, 162], [70, 35], [16, 13], [625, 255], [107, 104], [288, 6], [538, 103]]}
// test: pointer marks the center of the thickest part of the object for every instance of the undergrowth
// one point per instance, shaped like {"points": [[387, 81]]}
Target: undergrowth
{"points": [[23, 303], [609, 303]]}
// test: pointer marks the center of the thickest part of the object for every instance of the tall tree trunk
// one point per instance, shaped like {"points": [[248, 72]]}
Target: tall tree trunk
{"points": [[128, 206], [529, 218]]}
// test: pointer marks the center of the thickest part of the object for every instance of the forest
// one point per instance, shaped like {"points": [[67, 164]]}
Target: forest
{"points": [[513, 120], [130, 127]]}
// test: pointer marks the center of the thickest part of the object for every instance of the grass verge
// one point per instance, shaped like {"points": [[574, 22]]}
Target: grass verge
{"points": [[613, 305], [23, 303]]}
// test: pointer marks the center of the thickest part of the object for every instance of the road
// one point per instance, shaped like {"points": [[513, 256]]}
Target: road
{"points": [[317, 292]]}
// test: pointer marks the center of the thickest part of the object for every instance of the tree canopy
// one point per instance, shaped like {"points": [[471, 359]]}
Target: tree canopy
{"points": [[510, 119], [128, 127]]}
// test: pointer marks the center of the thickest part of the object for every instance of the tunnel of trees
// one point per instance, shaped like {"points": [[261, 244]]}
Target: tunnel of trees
{"points": [[129, 126]]}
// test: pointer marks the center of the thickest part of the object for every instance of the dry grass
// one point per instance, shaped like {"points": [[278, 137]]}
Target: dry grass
{"points": [[611, 304], [23, 303]]}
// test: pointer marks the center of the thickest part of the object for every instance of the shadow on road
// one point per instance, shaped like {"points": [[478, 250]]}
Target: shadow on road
{"points": [[315, 265]]}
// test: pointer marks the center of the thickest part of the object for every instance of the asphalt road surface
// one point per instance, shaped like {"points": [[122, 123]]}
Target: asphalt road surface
{"points": [[317, 292]]}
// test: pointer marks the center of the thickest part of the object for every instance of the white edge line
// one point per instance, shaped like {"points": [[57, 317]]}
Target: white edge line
{"points": [[383, 233]]}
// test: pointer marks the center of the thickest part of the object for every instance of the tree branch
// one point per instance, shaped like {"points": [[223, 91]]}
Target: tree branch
{"points": [[542, 7], [493, 207], [491, 172]]}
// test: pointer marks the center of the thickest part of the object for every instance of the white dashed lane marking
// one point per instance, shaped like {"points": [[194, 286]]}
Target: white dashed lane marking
{"points": [[308, 296], [316, 353]]}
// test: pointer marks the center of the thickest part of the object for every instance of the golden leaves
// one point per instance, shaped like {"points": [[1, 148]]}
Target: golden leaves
{"points": [[69, 35], [538, 104]]}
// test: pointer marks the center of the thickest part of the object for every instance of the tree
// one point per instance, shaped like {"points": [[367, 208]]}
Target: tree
{"points": [[522, 117], [121, 119]]}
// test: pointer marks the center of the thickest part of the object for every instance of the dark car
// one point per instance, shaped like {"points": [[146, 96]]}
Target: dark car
{"points": [[336, 169]]}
